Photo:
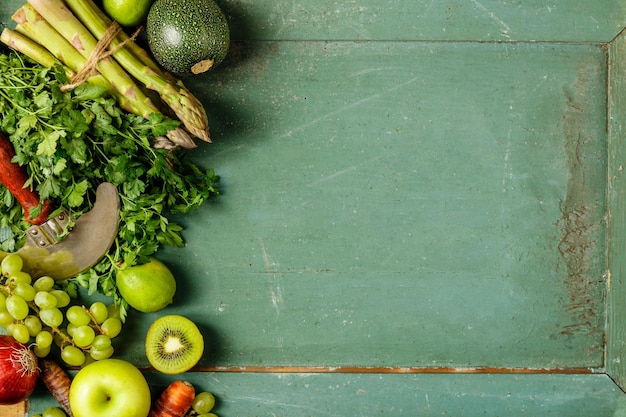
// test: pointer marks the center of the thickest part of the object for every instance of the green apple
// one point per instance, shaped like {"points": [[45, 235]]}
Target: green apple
{"points": [[110, 387]]}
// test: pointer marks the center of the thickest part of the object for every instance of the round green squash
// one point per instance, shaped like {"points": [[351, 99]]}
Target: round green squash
{"points": [[187, 37]]}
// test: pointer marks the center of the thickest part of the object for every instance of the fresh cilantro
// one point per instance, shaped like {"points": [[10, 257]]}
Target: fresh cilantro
{"points": [[70, 142]]}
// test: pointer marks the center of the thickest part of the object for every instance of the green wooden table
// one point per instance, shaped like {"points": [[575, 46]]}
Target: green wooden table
{"points": [[423, 211]]}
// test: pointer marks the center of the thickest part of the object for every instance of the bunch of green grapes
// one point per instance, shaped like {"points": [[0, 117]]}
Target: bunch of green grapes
{"points": [[40, 312]]}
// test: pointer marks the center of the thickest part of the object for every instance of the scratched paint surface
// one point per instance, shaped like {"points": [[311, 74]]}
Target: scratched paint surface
{"points": [[530, 20], [331, 395], [403, 210], [404, 185]]}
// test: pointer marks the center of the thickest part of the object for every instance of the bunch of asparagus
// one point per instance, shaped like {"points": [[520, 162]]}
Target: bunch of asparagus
{"points": [[77, 34]]}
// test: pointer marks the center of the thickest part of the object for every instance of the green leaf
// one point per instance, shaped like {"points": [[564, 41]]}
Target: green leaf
{"points": [[27, 122], [116, 170], [43, 100], [7, 197], [88, 91], [161, 126], [76, 194], [48, 145], [59, 166], [134, 188], [59, 73], [49, 188], [76, 122], [76, 149], [34, 212], [70, 142]]}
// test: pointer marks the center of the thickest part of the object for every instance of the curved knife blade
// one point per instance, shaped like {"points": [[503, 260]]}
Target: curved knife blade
{"points": [[83, 247]]}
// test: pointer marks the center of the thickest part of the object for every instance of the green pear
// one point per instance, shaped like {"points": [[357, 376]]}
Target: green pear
{"points": [[148, 287]]}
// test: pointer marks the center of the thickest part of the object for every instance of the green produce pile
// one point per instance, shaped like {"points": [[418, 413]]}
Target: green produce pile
{"points": [[82, 104], [72, 141], [37, 312], [79, 35]]}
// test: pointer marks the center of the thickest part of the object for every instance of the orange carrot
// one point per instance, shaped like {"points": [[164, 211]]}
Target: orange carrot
{"points": [[57, 382], [175, 401]]}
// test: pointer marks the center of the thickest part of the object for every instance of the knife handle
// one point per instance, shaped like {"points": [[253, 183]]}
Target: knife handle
{"points": [[13, 177]]}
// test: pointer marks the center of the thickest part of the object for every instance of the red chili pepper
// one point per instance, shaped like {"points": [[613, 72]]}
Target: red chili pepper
{"points": [[13, 177]]}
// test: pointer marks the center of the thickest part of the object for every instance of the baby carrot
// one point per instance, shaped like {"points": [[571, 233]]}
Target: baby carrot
{"points": [[175, 401], [57, 382]]}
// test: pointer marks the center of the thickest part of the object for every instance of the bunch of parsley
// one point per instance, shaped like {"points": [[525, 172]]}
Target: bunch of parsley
{"points": [[70, 142]]}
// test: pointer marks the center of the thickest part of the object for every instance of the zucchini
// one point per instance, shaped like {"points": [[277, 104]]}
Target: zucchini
{"points": [[187, 37]]}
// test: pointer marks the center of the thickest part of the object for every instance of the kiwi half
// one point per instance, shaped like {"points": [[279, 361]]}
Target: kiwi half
{"points": [[174, 344]]}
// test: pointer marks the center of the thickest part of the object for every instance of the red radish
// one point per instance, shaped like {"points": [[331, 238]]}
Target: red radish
{"points": [[18, 371]]}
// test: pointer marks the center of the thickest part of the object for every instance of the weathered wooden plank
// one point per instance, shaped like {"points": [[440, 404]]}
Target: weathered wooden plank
{"points": [[305, 395], [395, 204], [616, 301], [487, 20], [412, 395], [403, 204], [421, 20]]}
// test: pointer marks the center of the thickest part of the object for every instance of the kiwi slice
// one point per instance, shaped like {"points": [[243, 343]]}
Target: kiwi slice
{"points": [[174, 344]]}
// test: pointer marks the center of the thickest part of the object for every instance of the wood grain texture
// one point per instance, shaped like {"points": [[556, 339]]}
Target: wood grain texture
{"points": [[616, 301], [310, 394], [413, 219], [427, 20], [421, 206], [14, 410], [418, 20]]}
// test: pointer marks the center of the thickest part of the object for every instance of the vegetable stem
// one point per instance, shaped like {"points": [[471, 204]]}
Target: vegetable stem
{"points": [[60, 18], [58, 30], [22, 41], [184, 104], [28, 47], [139, 52]]}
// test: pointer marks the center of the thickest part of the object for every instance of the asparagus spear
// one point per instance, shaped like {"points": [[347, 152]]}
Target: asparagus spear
{"points": [[84, 43], [31, 26], [21, 43], [28, 47], [78, 41], [184, 104], [41, 55], [139, 52]]}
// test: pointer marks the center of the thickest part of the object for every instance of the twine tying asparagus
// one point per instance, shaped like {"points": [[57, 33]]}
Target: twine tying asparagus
{"points": [[101, 51]]}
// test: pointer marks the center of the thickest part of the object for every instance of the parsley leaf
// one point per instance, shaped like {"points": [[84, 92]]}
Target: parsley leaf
{"points": [[70, 142]]}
